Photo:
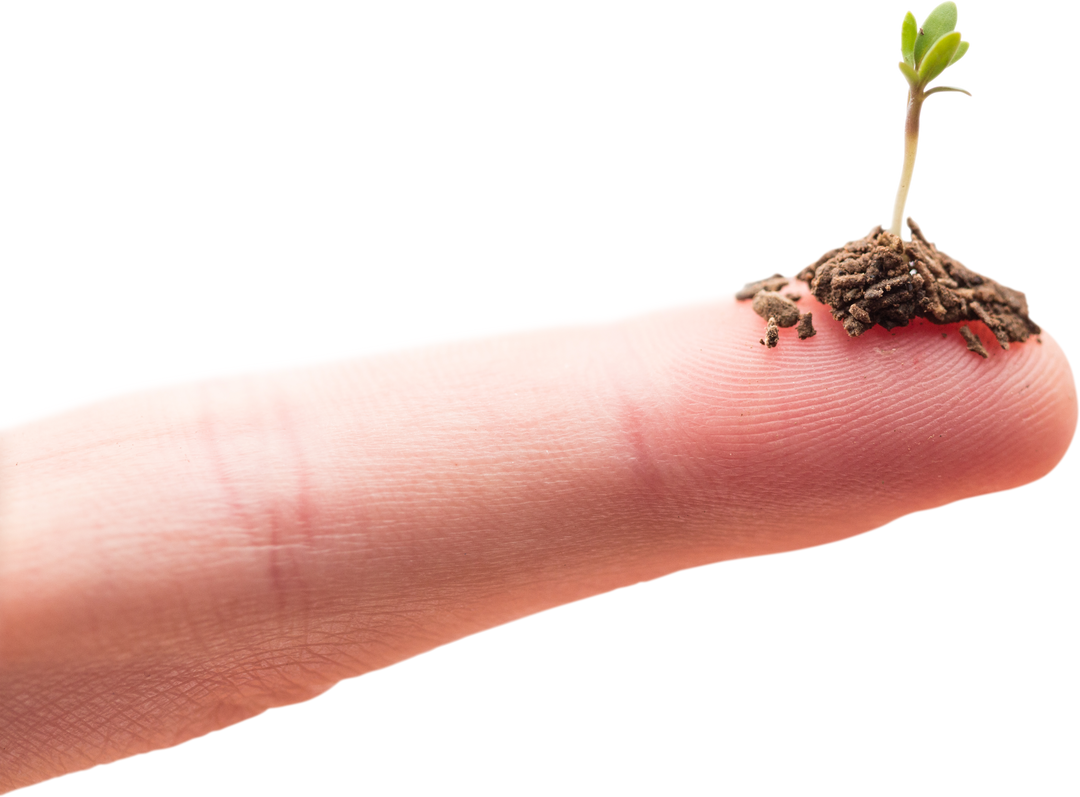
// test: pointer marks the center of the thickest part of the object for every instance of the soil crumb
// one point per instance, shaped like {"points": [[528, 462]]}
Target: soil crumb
{"points": [[769, 304], [773, 283], [883, 280], [772, 333], [806, 326], [973, 342], [793, 296]]}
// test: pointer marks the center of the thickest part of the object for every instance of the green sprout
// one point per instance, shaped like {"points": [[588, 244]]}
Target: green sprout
{"points": [[927, 52]]}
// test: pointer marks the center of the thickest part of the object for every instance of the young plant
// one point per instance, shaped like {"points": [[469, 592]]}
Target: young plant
{"points": [[928, 51]]}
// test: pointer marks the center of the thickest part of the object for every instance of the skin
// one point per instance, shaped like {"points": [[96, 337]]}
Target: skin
{"points": [[178, 561]]}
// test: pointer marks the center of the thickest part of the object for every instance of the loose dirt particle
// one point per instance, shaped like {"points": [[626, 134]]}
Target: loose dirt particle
{"points": [[772, 334], [973, 342], [773, 283], [806, 326], [793, 296], [771, 304]]}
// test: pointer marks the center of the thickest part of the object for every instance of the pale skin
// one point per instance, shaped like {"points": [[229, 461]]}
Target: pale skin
{"points": [[175, 562]]}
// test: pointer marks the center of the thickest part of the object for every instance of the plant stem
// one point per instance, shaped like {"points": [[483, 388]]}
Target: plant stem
{"points": [[911, 143]]}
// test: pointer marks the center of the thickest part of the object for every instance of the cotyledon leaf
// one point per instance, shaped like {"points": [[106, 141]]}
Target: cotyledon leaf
{"points": [[959, 53], [935, 61], [936, 89], [942, 20], [908, 34], [911, 75]]}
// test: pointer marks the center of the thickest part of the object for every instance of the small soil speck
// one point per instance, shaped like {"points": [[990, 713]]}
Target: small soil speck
{"points": [[772, 334], [973, 342]]}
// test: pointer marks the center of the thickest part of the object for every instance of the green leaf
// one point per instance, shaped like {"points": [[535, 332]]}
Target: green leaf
{"points": [[942, 20], [908, 34], [959, 53], [935, 61], [952, 89], [911, 75]]}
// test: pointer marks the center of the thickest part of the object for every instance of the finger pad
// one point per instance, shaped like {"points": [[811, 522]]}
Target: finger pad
{"points": [[856, 431]]}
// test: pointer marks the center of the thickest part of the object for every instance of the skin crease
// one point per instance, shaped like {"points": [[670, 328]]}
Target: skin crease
{"points": [[175, 562]]}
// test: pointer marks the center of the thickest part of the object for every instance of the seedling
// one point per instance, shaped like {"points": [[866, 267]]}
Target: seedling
{"points": [[928, 51], [882, 280]]}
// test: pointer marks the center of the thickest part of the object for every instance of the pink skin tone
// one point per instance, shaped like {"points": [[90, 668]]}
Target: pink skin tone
{"points": [[175, 562]]}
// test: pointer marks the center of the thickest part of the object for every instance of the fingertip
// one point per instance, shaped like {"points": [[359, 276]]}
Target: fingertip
{"points": [[854, 432]]}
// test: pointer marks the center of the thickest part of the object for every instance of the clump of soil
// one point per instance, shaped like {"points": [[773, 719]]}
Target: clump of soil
{"points": [[769, 304], [882, 280], [778, 309], [773, 283], [806, 326], [772, 334]]}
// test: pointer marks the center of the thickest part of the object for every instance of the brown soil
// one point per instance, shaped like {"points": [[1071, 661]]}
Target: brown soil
{"points": [[778, 311], [772, 281], [973, 342], [769, 304], [806, 326], [882, 280], [772, 334]]}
